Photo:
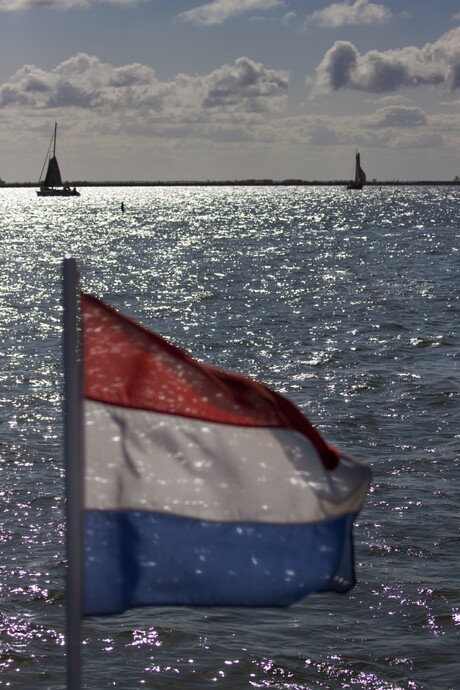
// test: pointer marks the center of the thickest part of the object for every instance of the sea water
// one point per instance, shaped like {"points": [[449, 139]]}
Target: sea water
{"points": [[347, 303]]}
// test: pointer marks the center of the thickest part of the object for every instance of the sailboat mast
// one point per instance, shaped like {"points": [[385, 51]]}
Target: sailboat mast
{"points": [[54, 141]]}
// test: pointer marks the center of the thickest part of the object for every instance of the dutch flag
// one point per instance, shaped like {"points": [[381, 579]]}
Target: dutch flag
{"points": [[202, 487]]}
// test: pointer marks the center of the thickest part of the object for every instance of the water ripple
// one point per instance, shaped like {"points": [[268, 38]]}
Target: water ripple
{"points": [[348, 304]]}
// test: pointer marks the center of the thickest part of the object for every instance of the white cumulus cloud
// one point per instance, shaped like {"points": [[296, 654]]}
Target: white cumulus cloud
{"points": [[219, 11], [85, 82], [398, 116], [342, 13], [343, 67]]}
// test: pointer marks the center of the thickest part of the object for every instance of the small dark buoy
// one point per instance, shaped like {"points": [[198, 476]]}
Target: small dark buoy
{"points": [[122, 207]]}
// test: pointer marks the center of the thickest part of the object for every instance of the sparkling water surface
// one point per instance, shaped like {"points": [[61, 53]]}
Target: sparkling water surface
{"points": [[346, 302]]}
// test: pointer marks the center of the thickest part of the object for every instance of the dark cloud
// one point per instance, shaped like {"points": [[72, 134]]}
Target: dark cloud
{"points": [[338, 65], [67, 95]]}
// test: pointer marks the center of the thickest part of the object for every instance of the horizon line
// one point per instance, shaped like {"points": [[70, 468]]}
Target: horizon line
{"points": [[240, 182]]}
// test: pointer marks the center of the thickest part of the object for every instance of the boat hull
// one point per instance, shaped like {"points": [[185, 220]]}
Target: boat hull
{"points": [[58, 192]]}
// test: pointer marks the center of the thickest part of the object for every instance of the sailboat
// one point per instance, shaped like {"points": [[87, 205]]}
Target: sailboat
{"points": [[51, 184], [360, 175]]}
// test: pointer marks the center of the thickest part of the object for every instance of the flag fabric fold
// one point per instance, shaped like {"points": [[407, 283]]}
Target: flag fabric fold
{"points": [[203, 487]]}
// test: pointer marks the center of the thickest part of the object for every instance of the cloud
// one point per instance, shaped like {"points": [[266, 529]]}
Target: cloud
{"points": [[290, 18], [342, 13], [417, 140], [244, 81], [84, 82], [322, 135], [219, 11], [391, 99], [80, 82], [387, 128], [435, 64], [19, 5], [398, 116]]}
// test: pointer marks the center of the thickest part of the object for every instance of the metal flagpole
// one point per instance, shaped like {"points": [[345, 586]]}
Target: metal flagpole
{"points": [[73, 462]]}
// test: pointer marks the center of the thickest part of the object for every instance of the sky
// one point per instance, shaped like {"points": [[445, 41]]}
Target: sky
{"points": [[222, 90]]}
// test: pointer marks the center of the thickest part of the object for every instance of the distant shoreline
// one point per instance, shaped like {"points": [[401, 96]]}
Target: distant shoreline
{"points": [[239, 183]]}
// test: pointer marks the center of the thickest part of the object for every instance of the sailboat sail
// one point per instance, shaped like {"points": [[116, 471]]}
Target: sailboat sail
{"points": [[51, 184], [360, 175], [53, 174]]}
